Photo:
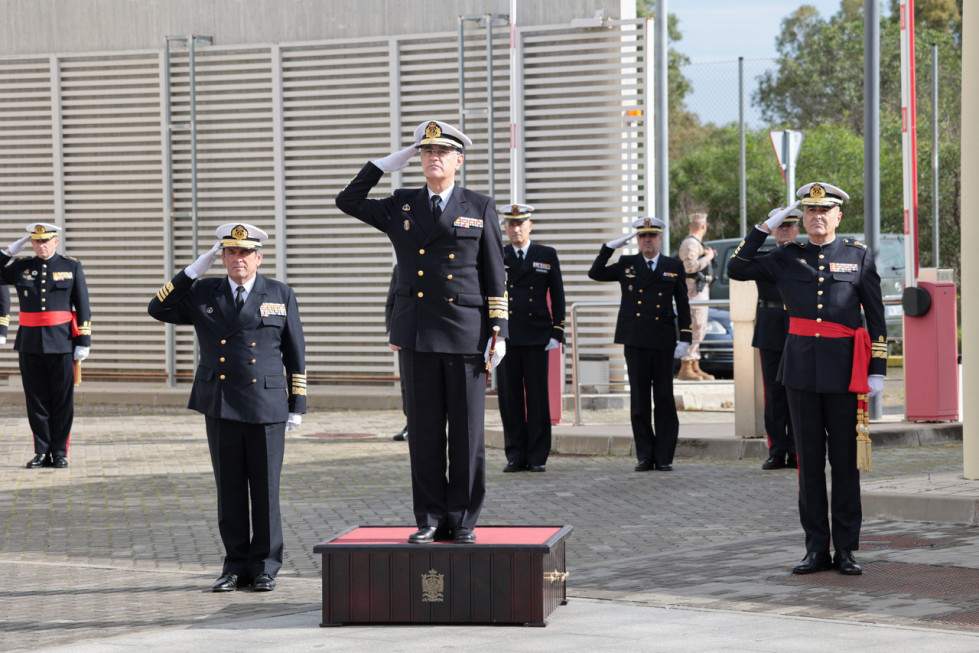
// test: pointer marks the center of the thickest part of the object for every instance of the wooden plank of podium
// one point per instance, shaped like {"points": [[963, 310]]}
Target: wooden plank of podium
{"points": [[511, 575]]}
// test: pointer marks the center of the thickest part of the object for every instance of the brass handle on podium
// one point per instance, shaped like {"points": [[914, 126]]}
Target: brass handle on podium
{"points": [[556, 575]]}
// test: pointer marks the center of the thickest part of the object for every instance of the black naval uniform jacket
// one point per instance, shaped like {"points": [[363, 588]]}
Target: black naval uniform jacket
{"points": [[43, 286], [528, 282], [771, 318], [646, 312], [242, 355], [4, 310], [443, 302], [820, 282]]}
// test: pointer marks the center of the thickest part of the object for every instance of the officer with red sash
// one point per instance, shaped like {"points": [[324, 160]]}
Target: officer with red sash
{"points": [[55, 329], [828, 359]]}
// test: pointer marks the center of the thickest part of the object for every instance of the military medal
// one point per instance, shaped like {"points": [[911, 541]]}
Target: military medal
{"points": [[407, 225]]}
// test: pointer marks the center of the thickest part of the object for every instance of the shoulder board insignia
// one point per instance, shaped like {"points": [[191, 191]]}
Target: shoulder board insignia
{"points": [[794, 242]]}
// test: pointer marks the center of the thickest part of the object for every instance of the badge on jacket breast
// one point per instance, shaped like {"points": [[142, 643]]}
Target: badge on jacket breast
{"points": [[62, 276], [630, 272], [843, 267], [270, 308], [468, 223], [670, 275], [542, 267]]}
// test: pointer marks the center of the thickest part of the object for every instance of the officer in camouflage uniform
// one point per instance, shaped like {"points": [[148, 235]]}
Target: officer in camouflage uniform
{"points": [[698, 262]]}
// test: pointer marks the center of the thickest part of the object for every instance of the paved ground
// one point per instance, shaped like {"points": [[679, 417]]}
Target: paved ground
{"points": [[124, 544]]}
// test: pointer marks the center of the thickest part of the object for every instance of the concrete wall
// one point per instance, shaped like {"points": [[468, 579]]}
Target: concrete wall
{"points": [[64, 26]]}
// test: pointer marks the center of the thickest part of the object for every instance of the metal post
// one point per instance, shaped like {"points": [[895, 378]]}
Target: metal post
{"points": [[278, 165], [934, 154], [574, 365], [171, 346], [742, 167], [871, 146], [517, 162], [462, 86], [193, 151], [662, 123], [490, 141]]}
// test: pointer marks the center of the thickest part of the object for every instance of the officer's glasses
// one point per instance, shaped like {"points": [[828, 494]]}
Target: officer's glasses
{"points": [[440, 152]]}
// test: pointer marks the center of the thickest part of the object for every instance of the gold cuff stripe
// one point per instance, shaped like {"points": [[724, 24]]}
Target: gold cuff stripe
{"points": [[5, 320], [164, 291], [879, 354], [497, 315]]}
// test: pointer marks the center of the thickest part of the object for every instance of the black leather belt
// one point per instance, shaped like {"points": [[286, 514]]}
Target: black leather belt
{"points": [[764, 303]]}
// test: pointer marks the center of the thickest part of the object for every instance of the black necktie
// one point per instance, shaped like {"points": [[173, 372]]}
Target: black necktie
{"points": [[650, 264], [436, 206], [239, 297], [520, 254]]}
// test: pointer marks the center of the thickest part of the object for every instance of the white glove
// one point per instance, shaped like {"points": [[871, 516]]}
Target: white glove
{"points": [[18, 245], [876, 383], [681, 349], [619, 242], [203, 262], [295, 419], [499, 351], [775, 216], [551, 344], [397, 160], [3, 340], [81, 353]]}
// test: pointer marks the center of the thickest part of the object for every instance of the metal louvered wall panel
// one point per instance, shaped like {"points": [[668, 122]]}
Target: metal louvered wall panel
{"points": [[280, 130]]}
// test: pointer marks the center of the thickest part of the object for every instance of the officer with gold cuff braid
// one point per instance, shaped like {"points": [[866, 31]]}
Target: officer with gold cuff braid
{"points": [[828, 359], [55, 330], [250, 385], [449, 296]]}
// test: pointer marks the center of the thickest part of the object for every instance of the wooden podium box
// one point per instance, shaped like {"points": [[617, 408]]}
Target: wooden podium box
{"points": [[511, 575]]}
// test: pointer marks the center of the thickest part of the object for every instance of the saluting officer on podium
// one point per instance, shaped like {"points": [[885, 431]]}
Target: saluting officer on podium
{"points": [[533, 272], [250, 385], [828, 359], [55, 330], [651, 282], [449, 298]]}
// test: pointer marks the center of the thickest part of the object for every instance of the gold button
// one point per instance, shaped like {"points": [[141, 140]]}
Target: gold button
{"points": [[660, 294], [451, 300], [822, 267], [252, 345], [421, 273], [657, 319], [511, 285], [254, 380], [817, 335], [43, 300], [657, 305], [531, 287], [639, 302], [222, 377], [224, 342], [511, 312], [638, 314], [820, 279], [640, 290], [819, 319], [822, 256], [44, 280], [43, 290], [450, 276], [45, 265], [253, 361], [819, 292], [452, 256], [819, 306], [43, 308], [531, 300], [421, 251], [421, 294], [221, 359]]}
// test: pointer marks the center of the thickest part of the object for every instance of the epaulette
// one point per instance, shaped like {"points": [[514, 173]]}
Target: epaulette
{"points": [[854, 243], [791, 242], [70, 258]]}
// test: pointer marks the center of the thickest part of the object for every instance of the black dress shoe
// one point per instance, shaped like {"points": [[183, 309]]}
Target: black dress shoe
{"points": [[38, 461], [463, 535], [60, 462], [773, 463], [514, 467], [401, 435], [263, 583], [792, 462], [645, 466], [423, 535], [843, 560], [227, 583], [536, 468], [663, 468], [814, 562]]}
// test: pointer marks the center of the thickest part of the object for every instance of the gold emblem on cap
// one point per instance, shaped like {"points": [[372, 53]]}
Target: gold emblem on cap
{"points": [[433, 130], [817, 192], [38, 229], [515, 209], [239, 232], [647, 224]]}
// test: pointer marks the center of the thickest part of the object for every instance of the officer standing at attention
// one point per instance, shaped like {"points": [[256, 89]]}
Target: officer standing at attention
{"points": [[449, 298], [828, 359], [251, 386], [532, 271], [771, 328], [651, 282], [55, 329], [698, 261]]}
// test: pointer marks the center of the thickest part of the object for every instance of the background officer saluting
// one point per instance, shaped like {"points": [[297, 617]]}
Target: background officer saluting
{"points": [[55, 327], [532, 271], [249, 332], [825, 362], [650, 283], [771, 328], [449, 297]]}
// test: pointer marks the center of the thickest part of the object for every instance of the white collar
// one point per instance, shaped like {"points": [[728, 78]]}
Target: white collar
{"points": [[248, 285], [445, 195]]}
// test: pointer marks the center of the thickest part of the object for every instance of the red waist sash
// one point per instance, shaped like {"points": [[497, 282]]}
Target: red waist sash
{"points": [[861, 346], [50, 318]]}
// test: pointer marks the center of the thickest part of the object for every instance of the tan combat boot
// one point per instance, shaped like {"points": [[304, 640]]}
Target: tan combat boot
{"points": [[703, 375], [686, 372]]}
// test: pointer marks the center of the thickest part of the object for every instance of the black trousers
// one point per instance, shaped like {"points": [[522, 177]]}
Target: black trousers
{"points": [[446, 389], [247, 460], [652, 367], [525, 408], [825, 423], [49, 388], [778, 424]]}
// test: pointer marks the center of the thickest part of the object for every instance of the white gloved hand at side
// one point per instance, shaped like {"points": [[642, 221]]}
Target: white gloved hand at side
{"points": [[295, 419], [499, 351], [81, 353], [876, 383], [551, 344], [3, 340], [681, 349], [18, 245], [203, 263], [775, 216], [619, 242], [397, 160]]}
